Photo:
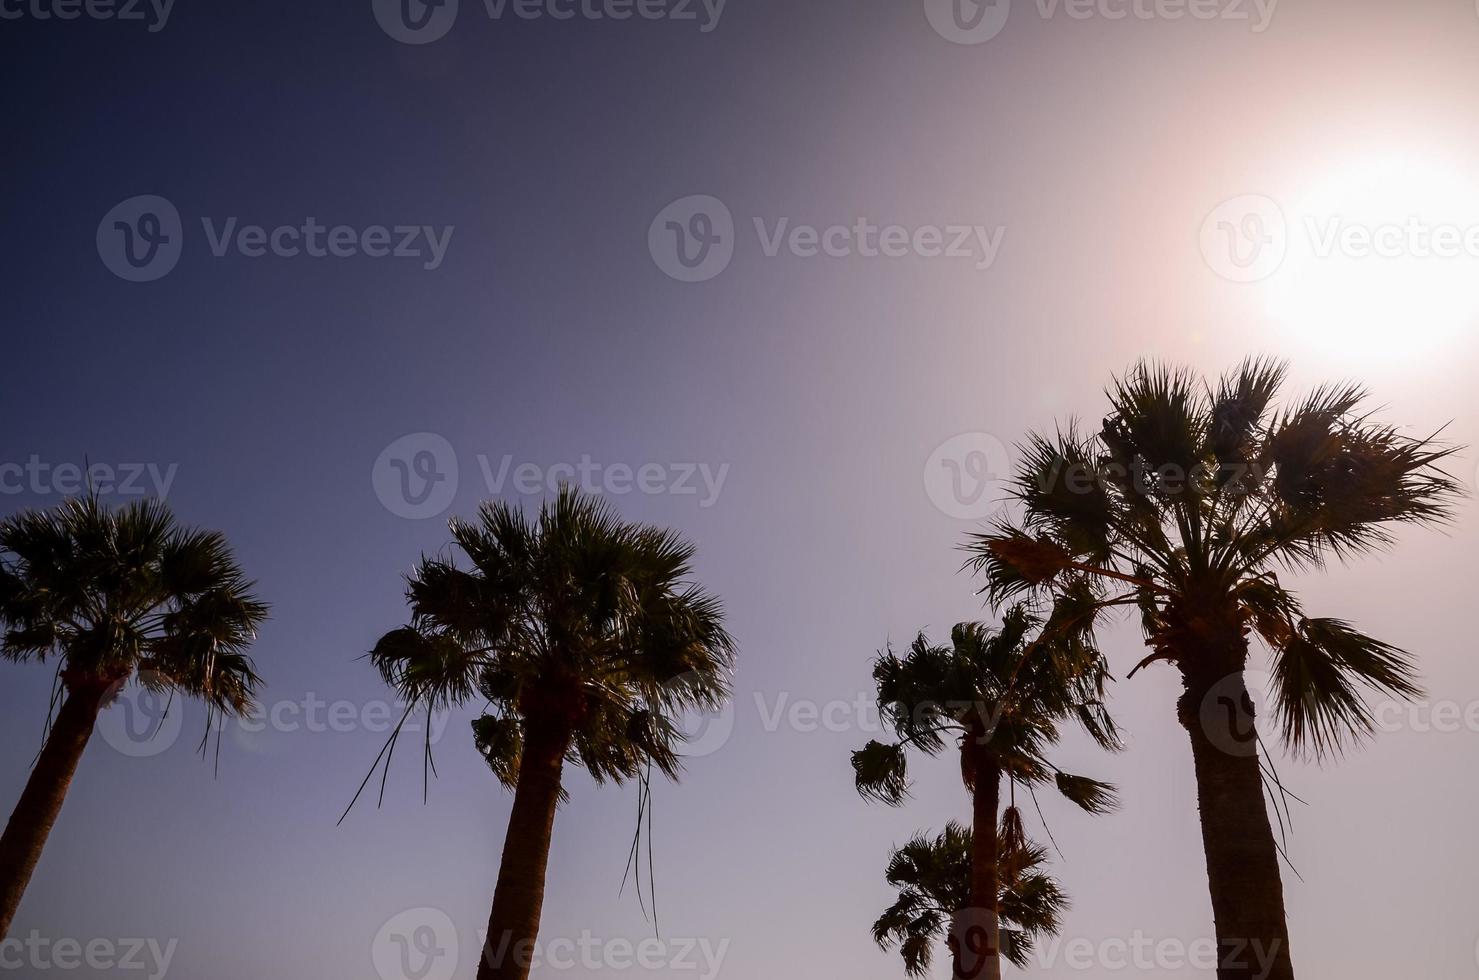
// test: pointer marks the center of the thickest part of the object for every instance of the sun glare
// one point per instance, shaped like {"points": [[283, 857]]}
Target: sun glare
{"points": [[1383, 259]]}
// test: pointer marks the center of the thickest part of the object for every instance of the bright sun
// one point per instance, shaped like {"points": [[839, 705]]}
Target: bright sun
{"points": [[1382, 259]]}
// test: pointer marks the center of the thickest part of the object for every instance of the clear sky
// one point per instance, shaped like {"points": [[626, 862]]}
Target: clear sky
{"points": [[1087, 160]]}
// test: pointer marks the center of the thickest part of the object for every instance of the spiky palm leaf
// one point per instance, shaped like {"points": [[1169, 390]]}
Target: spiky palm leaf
{"points": [[1009, 688], [1189, 499], [932, 877], [117, 592], [574, 620]]}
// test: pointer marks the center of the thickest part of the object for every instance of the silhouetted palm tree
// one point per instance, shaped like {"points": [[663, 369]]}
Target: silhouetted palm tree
{"points": [[1183, 505], [1002, 699], [109, 594], [586, 638], [933, 877]]}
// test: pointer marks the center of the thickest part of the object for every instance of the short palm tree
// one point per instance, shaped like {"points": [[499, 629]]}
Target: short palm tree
{"points": [[1001, 696], [933, 878], [109, 594], [1185, 505], [586, 638]]}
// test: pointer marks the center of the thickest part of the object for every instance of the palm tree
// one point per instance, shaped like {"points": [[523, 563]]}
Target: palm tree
{"points": [[1185, 505], [109, 594], [933, 877], [586, 639], [1002, 698]]}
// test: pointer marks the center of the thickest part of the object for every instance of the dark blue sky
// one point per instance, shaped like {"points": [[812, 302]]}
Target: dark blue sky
{"points": [[825, 390]]}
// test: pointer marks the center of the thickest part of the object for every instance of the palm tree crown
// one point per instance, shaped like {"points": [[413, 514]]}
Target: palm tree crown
{"points": [[1187, 502], [114, 592], [992, 689], [933, 879], [574, 622]]}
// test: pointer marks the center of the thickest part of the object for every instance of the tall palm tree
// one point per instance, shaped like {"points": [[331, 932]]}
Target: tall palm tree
{"points": [[933, 877], [1002, 696], [586, 638], [109, 594], [1186, 504]]}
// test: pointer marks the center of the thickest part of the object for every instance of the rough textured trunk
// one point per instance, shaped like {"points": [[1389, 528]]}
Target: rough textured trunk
{"points": [[1242, 859], [975, 941], [513, 925], [41, 801]]}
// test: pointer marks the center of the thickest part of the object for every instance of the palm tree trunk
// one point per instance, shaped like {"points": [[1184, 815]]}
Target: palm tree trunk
{"points": [[41, 801], [1242, 858], [975, 941], [513, 925]]}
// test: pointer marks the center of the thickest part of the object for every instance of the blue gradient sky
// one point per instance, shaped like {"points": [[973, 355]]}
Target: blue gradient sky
{"points": [[824, 385]]}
